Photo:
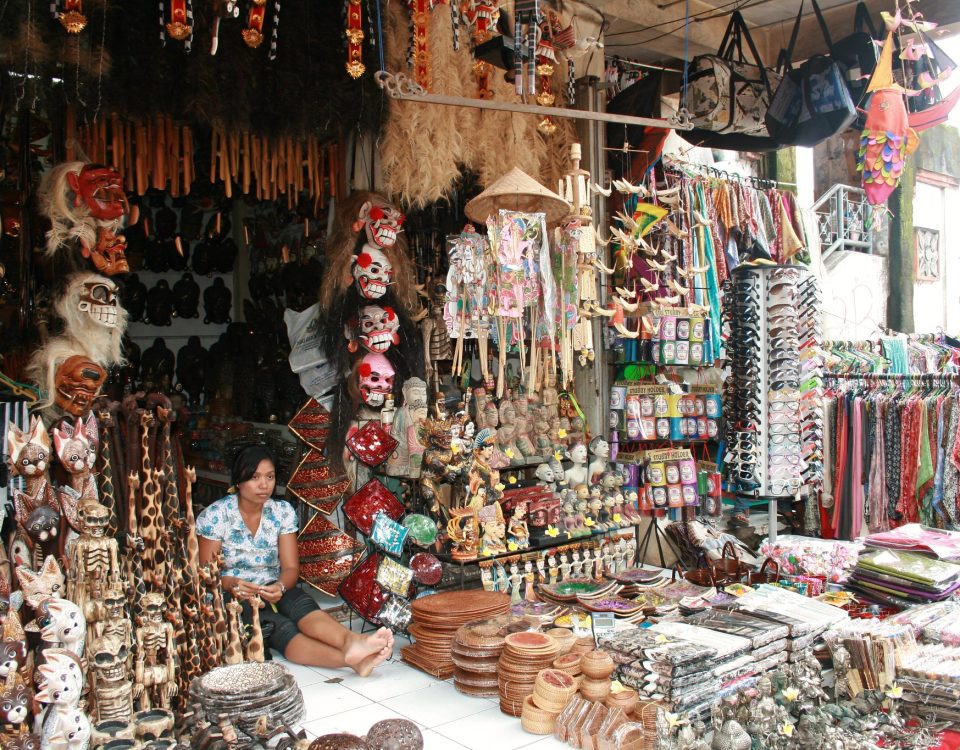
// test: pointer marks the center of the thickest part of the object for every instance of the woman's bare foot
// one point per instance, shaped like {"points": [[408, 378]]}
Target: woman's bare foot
{"points": [[373, 661], [364, 652]]}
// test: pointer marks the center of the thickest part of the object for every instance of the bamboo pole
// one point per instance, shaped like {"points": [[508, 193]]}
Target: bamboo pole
{"points": [[255, 147], [173, 158], [159, 181], [246, 162], [141, 166], [187, 158]]}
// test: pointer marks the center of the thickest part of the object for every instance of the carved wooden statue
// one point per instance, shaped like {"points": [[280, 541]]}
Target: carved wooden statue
{"points": [[155, 682], [65, 725], [234, 652], [110, 680], [76, 447], [94, 558], [255, 648]]}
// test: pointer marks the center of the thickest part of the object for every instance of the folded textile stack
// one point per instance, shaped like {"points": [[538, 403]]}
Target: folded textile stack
{"points": [[768, 639], [806, 619], [682, 666], [902, 579], [931, 683], [944, 545]]}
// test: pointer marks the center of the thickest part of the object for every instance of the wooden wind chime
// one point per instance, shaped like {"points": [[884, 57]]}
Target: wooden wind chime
{"points": [[159, 154]]}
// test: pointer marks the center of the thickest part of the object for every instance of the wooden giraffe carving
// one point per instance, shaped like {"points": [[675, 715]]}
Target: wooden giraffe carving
{"points": [[134, 546], [108, 497], [213, 611], [209, 655], [190, 590], [255, 650], [150, 517], [234, 652]]}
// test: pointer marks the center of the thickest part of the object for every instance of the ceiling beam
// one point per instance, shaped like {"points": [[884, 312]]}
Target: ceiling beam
{"points": [[840, 23], [661, 30]]}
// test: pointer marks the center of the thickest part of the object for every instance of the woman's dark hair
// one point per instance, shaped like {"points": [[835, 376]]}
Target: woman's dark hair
{"points": [[246, 463]]}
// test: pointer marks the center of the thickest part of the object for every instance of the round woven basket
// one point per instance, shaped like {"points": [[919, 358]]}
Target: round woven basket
{"points": [[564, 637], [538, 725], [595, 690], [624, 699], [597, 664]]}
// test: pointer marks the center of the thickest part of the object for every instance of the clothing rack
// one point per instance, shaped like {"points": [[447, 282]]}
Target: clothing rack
{"points": [[757, 183]]}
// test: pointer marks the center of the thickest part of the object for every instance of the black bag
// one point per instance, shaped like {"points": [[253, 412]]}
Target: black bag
{"points": [[858, 54], [812, 102]]}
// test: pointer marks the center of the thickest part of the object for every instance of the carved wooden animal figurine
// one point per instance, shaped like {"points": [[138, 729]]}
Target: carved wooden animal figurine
{"points": [[108, 493], [110, 680], [26, 741], [15, 699], [62, 625], [38, 534], [29, 456], [190, 661], [65, 725], [234, 652], [149, 519], [94, 557], [76, 447], [155, 682], [210, 576], [37, 586], [134, 546], [255, 650], [13, 647]]}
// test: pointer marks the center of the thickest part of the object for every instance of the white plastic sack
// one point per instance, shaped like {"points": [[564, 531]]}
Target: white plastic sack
{"points": [[303, 332]]}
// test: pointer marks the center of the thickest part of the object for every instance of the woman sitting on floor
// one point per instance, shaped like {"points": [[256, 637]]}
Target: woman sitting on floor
{"points": [[258, 538]]}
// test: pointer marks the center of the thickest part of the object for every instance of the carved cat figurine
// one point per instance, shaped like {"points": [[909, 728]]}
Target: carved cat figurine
{"points": [[65, 726], [13, 646], [76, 447], [62, 625], [15, 698], [20, 742], [37, 586], [29, 457]]}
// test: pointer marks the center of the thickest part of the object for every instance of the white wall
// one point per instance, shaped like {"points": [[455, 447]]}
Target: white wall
{"points": [[854, 295], [936, 304]]}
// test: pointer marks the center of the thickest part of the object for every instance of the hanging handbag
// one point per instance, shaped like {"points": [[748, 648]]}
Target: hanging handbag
{"points": [[726, 94], [857, 53], [812, 102]]}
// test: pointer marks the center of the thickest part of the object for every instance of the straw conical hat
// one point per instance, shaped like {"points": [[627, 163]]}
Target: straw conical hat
{"points": [[517, 191]]}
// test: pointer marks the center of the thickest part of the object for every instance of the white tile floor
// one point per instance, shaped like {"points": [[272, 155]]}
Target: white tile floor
{"points": [[339, 701]]}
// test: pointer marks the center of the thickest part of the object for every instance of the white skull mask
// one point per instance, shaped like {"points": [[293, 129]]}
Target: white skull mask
{"points": [[99, 301], [376, 379], [382, 223], [378, 328], [372, 271]]}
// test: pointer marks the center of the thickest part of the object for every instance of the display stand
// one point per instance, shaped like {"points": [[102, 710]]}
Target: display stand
{"points": [[446, 558]]}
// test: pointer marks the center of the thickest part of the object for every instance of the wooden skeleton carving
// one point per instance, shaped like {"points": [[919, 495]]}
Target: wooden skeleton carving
{"points": [[94, 558], [110, 679], [155, 679]]}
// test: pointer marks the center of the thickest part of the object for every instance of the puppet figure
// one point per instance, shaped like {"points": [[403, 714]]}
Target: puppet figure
{"points": [[94, 324], [86, 203]]}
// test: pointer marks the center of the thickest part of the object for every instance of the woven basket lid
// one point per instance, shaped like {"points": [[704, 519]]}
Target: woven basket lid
{"points": [[517, 191]]}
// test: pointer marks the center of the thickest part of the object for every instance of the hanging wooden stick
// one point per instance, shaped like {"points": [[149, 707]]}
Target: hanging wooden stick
{"points": [[246, 162], [187, 158], [159, 146], [141, 167]]}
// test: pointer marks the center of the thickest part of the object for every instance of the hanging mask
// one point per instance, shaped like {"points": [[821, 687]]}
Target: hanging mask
{"points": [[378, 328], [382, 224], [372, 271], [99, 300], [101, 189], [78, 382], [375, 379], [109, 254]]}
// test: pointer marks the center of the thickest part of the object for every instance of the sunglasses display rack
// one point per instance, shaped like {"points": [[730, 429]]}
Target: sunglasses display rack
{"points": [[773, 395]]}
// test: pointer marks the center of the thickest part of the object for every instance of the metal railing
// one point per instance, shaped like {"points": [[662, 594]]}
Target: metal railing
{"points": [[841, 220]]}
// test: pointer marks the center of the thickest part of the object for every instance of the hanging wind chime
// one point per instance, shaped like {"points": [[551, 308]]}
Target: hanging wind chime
{"points": [[483, 16], [70, 16], [355, 36], [256, 17], [527, 15]]}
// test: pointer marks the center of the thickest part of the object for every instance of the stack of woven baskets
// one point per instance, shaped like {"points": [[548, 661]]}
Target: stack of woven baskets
{"points": [[552, 690]]}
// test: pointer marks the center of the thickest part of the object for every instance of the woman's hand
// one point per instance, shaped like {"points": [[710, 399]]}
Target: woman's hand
{"points": [[245, 589], [271, 592]]}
